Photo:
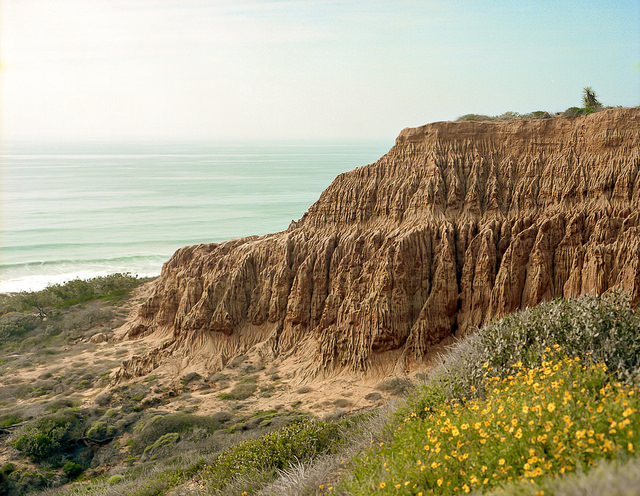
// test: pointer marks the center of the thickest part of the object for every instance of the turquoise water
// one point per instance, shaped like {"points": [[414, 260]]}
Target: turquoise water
{"points": [[86, 210]]}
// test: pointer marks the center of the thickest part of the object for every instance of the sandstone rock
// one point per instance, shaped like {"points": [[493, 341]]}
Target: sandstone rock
{"points": [[457, 224], [99, 337]]}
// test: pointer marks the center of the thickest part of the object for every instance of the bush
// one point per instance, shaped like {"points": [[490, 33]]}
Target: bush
{"points": [[50, 438], [15, 325], [114, 479], [164, 441], [71, 293], [605, 328], [574, 112], [148, 432], [240, 391], [190, 377], [559, 417], [396, 386], [72, 470], [295, 443], [100, 432], [7, 468]]}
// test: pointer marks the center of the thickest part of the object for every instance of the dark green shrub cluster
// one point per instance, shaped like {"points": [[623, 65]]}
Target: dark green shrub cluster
{"points": [[295, 443], [101, 432], [72, 469], [51, 438]]}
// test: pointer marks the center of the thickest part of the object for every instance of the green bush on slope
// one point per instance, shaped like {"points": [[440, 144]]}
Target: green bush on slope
{"points": [[70, 293], [52, 437], [606, 328], [547, 391]]}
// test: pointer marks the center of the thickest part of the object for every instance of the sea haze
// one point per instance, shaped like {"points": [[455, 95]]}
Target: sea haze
{"points": [[85, 210]]}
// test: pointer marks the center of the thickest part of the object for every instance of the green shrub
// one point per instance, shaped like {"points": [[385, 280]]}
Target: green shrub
{"points": [[295, 443], [559, 417], [9, 419], [71, 293], [605, 328], [190, 377], [72, 469], [100, 432], [163, 441], [7, 468], [574, 112], [240, 391], [60, 404], [15, 325], [50, 437], [148, 431], [114, 479]]}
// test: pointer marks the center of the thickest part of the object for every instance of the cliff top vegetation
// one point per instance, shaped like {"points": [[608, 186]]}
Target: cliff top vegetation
{"points": [[590, 104]]}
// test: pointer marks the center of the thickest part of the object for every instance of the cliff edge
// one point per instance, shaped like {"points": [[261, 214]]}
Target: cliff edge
{"points": [[457, 224]]}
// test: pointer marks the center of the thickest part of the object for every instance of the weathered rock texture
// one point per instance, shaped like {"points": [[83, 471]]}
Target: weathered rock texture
{"points": [[457, 224]]}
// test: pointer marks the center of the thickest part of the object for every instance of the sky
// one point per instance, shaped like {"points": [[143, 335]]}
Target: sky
{"points": [[290, 70]]}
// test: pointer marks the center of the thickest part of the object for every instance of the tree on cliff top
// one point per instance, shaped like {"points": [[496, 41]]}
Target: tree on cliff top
{"points": [[590, 99]]}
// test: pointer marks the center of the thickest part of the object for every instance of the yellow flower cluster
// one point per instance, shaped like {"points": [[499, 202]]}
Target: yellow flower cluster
{"points": [[534, 423]]}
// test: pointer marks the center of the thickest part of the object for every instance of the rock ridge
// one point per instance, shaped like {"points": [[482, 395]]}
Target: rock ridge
{"points": [[457, 224]]}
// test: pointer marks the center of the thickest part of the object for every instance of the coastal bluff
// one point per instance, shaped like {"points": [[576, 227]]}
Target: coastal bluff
{"points": [[459, 223]]}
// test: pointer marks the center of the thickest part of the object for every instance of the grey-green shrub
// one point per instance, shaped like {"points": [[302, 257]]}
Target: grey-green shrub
{"points": [[101, 431], [604, 328], [51, 437], [148, 431]]}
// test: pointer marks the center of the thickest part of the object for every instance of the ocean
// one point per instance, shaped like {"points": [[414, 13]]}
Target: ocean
{"points": [[84, 210]]}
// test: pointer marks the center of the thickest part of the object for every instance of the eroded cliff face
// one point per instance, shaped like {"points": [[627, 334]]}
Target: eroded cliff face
{"points": [[457, 224]]}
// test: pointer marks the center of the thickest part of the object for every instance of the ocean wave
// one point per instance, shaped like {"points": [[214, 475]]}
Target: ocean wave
{"points": [[33, 276], [71, 262]]}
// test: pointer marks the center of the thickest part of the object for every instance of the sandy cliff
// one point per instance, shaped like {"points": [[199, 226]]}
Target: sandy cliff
{"points": [[457, 224]]}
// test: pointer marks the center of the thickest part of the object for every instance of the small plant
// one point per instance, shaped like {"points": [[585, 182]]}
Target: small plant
{"points": [[72, 470], [241, 391], [164, 441], [190, 377], [49, 438], [114, 479], [590, 100], [396, 386]]}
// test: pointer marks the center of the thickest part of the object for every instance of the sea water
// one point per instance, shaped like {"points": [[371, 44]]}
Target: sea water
{"points": [[85, 210]]}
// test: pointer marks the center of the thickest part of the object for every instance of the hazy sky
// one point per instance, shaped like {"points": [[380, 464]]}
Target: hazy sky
{"points": [[302, 69]]}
